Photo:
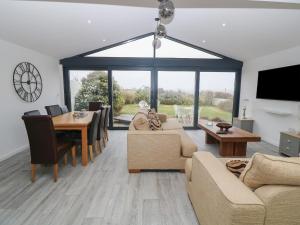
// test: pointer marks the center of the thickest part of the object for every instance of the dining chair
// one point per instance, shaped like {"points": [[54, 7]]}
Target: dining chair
{"points": [[106, 122], [100, 133], [32, 113], [53, 110], [45, 147], [64, 109], [95, 106], [92, 134]]}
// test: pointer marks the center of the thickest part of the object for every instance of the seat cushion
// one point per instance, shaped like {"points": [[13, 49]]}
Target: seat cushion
{"points": [[171, 124], [188, 147], [188, 169], [267, 170]]}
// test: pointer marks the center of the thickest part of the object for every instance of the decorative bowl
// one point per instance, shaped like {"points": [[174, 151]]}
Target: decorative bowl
{"points": [[223, 126]]}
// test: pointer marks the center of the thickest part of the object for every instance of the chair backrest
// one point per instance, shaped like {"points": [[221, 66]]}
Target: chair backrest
{"points": [[42, 139], [100, 133], [32, 113], [53, 110], [107, 116], [95, 106], [64, 109], [93, 131]]}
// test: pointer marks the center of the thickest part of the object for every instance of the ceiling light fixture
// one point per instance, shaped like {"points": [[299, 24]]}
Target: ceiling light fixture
{"points": [[204, 41], [104, 40], [89, 21], [223, 24], [166, 14]]}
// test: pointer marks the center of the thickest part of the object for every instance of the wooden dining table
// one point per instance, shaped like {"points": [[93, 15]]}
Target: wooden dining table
{"points": [[68, 122]]}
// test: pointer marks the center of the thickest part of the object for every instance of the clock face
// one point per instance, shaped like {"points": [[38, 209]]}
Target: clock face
{"points": [[27, 82]]}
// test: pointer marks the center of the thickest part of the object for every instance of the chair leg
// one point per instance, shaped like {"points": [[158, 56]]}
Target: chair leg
{"points": [[33, 172], [103, 140], [55, 172], [91, 152], [73, 151], [106, 134], [65, 159], [99, 146]]}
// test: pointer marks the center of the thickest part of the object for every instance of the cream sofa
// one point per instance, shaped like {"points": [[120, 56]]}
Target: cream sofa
{"points": [[165, 149], [220, 198]]}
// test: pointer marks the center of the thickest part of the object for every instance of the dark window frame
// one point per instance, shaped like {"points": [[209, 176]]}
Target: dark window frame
{"points": [[225, 64]]}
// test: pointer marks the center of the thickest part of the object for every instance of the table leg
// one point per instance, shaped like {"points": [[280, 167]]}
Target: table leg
{"points": [[210, 139], [233, 148], [84, 147], [240, 149]]}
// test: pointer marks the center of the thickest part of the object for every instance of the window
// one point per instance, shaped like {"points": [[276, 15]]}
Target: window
{"points": [[129, 89], [216, 96], [176, 92], [87, 86], [173, 49], [137, 48]]}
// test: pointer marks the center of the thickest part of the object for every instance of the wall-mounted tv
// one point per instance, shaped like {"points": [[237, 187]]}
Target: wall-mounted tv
{"points": [[279, 84]]}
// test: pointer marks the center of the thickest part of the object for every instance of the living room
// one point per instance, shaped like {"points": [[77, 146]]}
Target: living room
{"points": [[171, 112]]}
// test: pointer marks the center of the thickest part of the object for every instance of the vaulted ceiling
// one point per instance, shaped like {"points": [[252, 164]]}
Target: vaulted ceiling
{"points": [[63, 29]]}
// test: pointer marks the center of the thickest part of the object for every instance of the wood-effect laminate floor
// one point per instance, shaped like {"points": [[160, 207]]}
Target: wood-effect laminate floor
{"points": [[103, 193]]}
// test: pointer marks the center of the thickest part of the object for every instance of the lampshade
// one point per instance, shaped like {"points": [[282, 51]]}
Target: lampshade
{"points": [[161, 31], [156, 43], [166, 9]]}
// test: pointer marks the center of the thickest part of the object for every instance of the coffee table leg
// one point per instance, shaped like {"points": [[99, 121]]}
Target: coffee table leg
{"points": [[226, 149], [210, 139], [84, 147], [240, 149]]}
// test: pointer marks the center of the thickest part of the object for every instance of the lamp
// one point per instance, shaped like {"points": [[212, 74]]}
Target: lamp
{"points": [[244, 108], [156, 43], [166, 11]]}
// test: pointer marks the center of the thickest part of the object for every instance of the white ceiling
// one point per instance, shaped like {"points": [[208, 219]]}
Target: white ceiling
{"points": [[61, 29]]}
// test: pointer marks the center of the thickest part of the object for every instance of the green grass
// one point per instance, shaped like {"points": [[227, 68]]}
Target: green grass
{"points": [[209, 112]]}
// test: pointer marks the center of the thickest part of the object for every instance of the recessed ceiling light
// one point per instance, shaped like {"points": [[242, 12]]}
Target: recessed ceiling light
{"points": [[223, 24], [204, 41], [89, 21], [104, 40]]}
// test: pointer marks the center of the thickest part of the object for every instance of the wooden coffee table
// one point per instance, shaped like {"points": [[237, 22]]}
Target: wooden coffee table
{"points": [[232, 144]]}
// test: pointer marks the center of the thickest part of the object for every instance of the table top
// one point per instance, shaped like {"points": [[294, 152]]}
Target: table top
{"points": [[236, 134], [67, 120]]}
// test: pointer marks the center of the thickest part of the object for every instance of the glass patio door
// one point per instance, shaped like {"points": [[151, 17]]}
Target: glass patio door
{"points": [[87, 86], [216, 96], [131, 88], [176, 95]]}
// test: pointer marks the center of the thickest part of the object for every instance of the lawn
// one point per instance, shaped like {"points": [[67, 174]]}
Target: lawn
{"points": [[209, 112]]}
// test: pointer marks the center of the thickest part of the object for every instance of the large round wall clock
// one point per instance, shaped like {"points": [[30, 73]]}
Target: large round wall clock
{"points": [[27, 82]]}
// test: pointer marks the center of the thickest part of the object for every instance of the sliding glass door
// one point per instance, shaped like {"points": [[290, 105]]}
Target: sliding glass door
{"points": [[131, 88], [176, 95], [87, 86], [216, 96]]}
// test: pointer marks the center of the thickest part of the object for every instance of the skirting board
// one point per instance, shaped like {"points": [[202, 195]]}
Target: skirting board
{"points": [[16, 151]]}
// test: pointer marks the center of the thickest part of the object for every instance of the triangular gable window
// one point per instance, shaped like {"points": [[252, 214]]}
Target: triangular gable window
{"points": [[143, 48]]}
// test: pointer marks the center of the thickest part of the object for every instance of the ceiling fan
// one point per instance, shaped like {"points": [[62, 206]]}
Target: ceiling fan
{"points": [[264, 4]]}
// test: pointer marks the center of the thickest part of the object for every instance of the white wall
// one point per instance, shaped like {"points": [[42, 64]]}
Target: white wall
{"points": [[12, 133], [266, 124]]}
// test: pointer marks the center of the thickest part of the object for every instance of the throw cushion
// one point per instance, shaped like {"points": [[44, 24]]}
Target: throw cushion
{"points": [[236, 166], [268, 170], [154, 122], [140, 122]]}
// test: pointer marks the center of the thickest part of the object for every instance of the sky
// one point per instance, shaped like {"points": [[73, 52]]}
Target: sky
{"points": [[170, 80]]}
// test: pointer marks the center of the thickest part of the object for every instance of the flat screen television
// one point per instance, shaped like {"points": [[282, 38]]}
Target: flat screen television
{"points": [[279, 84]]}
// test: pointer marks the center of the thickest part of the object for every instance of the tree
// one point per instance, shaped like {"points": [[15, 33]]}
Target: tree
{"points": [[95, 88]]}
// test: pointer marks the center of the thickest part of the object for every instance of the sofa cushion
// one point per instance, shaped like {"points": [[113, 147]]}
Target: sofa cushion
{"points": [[153, 119], [188, 147], [171, 124], [188, 169], [268, 170], [140, 122]]}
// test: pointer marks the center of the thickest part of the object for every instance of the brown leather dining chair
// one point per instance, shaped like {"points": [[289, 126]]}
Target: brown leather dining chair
{"points": [[32, 113], [100, 133], [92, 134], [106, 121], [45, 147], [53, 110], [95, 106], [64, 109]]}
